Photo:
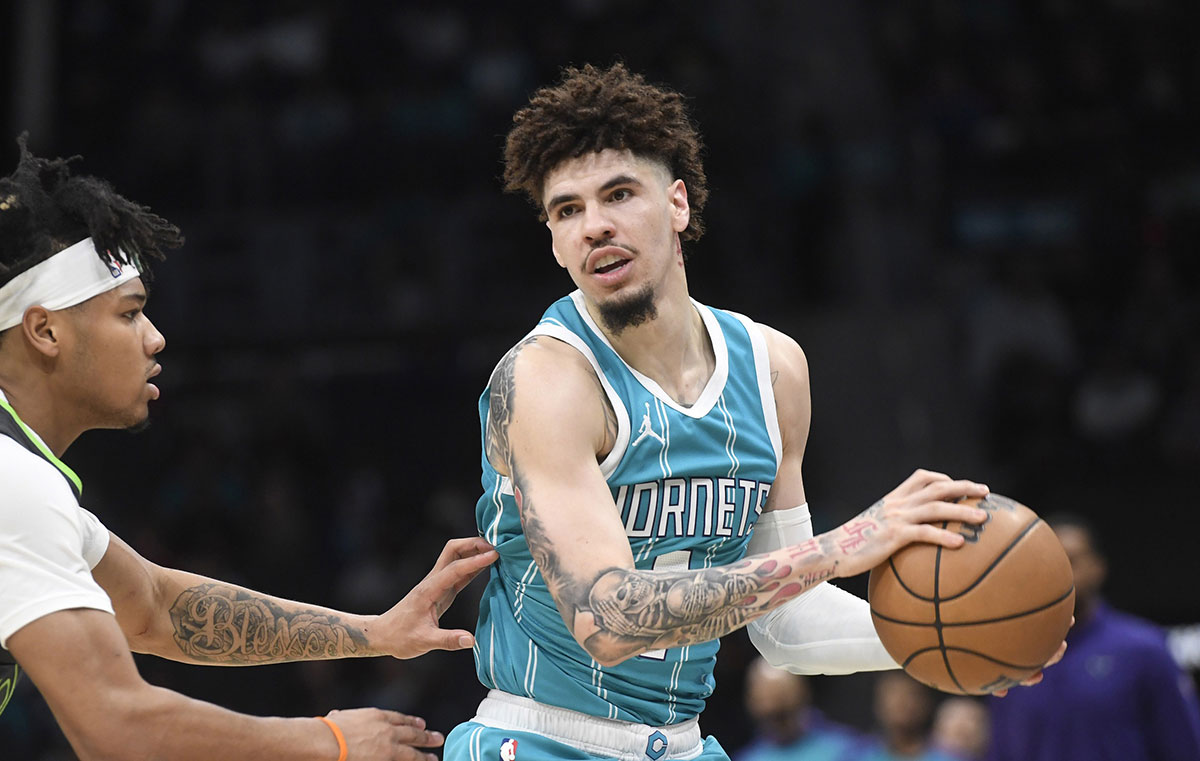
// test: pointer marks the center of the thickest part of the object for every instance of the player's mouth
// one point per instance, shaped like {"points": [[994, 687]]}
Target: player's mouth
{"points": [[609, 263], [153, 388]]}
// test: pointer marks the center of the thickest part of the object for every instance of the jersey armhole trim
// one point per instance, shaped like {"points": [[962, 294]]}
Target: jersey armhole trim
{"points": [[766, 391]]}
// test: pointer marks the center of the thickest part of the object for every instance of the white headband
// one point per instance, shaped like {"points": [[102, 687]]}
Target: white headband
{"points": [[70, 277]]}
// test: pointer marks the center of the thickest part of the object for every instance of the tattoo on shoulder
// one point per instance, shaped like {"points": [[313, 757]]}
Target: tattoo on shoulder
{"points": [[500, 406], [774, 377], [215, 623]]}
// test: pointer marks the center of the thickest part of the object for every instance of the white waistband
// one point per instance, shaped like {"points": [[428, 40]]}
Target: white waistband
{"points": [[622, 740]]}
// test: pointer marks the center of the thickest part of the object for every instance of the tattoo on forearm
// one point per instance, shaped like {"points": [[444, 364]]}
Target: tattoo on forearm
{"points": [[645, 610], [215, 623], [666, 608], [858, 531]]}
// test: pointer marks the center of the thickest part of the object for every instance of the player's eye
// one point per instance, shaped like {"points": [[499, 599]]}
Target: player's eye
{"points": [[565, 211], [620, 194]]}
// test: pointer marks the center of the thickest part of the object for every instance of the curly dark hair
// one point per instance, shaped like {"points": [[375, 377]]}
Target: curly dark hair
{"points": [[592, 109], [44, 209]]}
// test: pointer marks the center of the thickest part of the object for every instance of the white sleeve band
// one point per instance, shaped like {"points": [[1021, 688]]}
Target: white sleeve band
{"points": [[826, 630]]}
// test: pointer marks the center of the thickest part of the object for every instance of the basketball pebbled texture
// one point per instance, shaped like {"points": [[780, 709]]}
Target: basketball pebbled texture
{"points": [[982, 617]]}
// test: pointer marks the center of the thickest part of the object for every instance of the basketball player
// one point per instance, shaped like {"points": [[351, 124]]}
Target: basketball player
{"points": [[77, 352], [631, 442]]}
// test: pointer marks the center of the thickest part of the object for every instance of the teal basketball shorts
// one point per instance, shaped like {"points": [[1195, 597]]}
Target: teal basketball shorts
{"points": [[511, 728]]}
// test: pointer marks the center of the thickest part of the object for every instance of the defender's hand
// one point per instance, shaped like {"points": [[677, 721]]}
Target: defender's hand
{"points": [[373, 734], [904, 516], [411, 628]]}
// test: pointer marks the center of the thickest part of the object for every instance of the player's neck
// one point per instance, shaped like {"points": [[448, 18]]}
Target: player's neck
{"points": [[673, 349], [37, 410]]}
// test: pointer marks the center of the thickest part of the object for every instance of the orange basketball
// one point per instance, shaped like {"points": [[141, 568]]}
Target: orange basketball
{"points": [[982, 617]]}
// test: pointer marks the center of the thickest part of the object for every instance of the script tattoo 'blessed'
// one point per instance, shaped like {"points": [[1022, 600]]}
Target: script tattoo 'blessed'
{"points": [[223, 625]]}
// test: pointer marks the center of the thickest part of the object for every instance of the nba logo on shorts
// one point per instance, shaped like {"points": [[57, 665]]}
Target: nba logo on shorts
{"points": [[656, 745], [508, 749]]}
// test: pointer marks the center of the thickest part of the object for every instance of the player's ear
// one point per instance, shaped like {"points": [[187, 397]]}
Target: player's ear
{"points": [[554, 250], [43, 330], [681, 212]]}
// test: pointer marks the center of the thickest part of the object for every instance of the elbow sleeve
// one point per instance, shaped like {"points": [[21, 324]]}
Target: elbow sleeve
{"points": [[826, 630]]}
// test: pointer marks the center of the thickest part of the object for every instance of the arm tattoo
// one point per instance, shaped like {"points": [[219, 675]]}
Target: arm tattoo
{"points": [[634, 610], [500, 401], [500, 409], [652, 609], [858, 531], [215, 623]]}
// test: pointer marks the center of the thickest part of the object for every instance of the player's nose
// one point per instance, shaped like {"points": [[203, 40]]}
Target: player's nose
{"points": [[597, 225], [155, 340]]}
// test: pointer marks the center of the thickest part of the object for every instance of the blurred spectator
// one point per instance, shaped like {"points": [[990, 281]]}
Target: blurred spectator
{"points": [[1117, 695], [788, 727], [962, 728], [903, 714]]}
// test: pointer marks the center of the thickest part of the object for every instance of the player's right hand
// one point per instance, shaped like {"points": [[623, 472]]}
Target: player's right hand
{"points": [[905, 515], [373, 734]]}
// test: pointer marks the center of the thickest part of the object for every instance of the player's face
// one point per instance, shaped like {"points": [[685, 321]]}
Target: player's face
{"points": [[615, 220], [1087, 566], [109, 358]]}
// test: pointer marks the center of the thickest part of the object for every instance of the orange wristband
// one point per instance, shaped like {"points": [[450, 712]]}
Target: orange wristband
{"points": [[343, 751]]}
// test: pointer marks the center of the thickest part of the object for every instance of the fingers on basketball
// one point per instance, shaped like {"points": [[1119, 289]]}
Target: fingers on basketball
{"points": [[981, 618]]}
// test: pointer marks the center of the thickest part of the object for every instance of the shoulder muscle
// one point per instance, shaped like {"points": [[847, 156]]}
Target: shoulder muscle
{"points": [[543, 389]]}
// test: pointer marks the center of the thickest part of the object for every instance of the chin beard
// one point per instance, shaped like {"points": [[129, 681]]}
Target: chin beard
{"points": [[629, 312], [139, 426]]}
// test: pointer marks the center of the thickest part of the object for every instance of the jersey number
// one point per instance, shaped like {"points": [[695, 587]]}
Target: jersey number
{"points": [[679, 560]]}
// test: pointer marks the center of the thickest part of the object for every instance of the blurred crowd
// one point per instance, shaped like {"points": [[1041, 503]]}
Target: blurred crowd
{"points": [[979, 215]]}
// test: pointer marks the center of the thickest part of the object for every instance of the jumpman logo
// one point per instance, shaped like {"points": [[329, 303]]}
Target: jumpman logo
{"points": [[647, 429]]}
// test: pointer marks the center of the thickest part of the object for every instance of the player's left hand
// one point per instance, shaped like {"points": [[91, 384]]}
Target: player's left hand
{"points": [[1037, 675], [411, 628]]}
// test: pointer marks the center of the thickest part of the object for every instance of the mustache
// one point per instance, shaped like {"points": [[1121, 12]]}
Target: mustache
{"points": [[606, 243], [609, 243]]}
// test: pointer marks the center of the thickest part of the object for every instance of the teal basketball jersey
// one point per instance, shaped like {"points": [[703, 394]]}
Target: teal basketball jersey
{"points": [[688, 484]]}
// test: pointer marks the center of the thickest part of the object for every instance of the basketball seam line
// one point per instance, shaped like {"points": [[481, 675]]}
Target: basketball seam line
{"points": [[937, 614], [971, 652], [981, 577], [981, 621], [1016, 540]]}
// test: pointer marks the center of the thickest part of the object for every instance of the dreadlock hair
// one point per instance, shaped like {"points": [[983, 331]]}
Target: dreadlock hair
{"points": [[592, 109], [44, 209]]}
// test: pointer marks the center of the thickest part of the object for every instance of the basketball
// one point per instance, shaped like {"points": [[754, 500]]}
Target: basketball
{"points": [[982, 617]]}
